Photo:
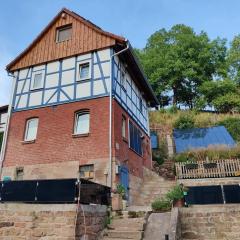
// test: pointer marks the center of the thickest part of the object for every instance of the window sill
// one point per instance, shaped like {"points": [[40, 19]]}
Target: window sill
{"points": [[28, 142], [140, 155], [80, 135], [125, 139], [84, 79]]}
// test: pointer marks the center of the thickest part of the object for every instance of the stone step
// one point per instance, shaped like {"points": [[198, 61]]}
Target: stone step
{"points": [[125, 234], [109, 238]]}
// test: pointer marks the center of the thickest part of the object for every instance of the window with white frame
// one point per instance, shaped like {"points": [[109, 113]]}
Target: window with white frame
{"points": [[31, 129], [37, 80], [84, 71], [124, 122], [86, 171], [63, 33], [82, 122]]}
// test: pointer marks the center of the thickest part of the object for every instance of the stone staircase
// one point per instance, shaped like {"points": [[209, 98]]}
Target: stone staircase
{"points": [[125, 227], [153, 187]]}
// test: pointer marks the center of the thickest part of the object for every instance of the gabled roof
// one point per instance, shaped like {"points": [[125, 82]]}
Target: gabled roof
{"points": [[86, 37], [106, 38]]}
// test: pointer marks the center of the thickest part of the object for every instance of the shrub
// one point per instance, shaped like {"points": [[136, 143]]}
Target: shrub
{"points": [[161, 205], [233, 127], [185, 121], [175, 194], [160, 154], [172, 110], [121, 190]]}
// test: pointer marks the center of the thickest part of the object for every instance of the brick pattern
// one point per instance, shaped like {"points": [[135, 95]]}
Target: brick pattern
{"points": [[55, 142], [121, 149], [57, 154], [215, 222], [52, 222]]}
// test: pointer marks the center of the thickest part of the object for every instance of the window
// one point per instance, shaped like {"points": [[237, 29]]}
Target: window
{"points": [[140, 105], [123, 126], [37, 81], [19, 173], [31, 129], [86, 171], [64, 33], [82, 122], [3, 118], [84, 71], [135, 138], [123, 81]]}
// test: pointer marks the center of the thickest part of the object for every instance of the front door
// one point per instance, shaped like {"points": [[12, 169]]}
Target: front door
{"points": [[124, 179]]}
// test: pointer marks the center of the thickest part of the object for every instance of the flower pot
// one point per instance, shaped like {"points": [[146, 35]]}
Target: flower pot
{"points": [[178, 203], [124, 204], [117, 203]]}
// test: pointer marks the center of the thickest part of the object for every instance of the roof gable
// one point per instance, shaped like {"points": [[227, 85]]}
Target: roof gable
{"points": [[85, 37]]}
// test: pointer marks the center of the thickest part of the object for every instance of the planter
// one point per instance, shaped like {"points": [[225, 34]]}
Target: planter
{"points": [[117, 203], [178, 203], [191, 166], [124, 204], [210, 165]]}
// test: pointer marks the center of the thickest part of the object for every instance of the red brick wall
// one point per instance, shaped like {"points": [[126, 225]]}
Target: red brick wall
{"points": [[123, 153], [54, 141]]}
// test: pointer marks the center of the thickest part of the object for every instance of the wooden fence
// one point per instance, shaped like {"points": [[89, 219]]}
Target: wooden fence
{"points": [[201, 169]]}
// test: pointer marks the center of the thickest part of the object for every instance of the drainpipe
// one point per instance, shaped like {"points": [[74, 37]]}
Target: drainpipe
{"points": [[110, 111], [5, 136]]}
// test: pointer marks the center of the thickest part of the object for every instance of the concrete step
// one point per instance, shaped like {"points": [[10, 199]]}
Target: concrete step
{"points": [[128, 234]]}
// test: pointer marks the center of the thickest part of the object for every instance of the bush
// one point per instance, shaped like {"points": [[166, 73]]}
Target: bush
{"points": [[1, 140], [233, 127], [185, 121], [175, 194], [160, 154], [227, 103], [161, 205]]}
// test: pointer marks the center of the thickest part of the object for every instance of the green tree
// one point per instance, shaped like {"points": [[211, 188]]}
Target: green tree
{"points": [[211, 90], [233, 59], [179, 61]]}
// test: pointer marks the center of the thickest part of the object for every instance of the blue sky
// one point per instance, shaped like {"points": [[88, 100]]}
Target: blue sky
{"points": [[21, 21]]}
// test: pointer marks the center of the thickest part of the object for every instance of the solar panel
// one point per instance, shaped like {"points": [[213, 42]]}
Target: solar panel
{"points": [[201, 138]]}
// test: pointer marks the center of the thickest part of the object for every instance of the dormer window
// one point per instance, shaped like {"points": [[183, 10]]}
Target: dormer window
{"points": [[64, 33]]}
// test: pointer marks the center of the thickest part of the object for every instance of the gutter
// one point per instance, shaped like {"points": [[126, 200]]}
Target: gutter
{"points": [[5, 136], [110, 112]]}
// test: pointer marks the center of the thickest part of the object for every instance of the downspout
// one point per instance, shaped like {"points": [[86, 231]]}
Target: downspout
{"points": [[110, 111], [5, 136]]}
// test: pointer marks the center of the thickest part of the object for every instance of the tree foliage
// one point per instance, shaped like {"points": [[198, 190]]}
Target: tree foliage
{"points": [[180, 60]]}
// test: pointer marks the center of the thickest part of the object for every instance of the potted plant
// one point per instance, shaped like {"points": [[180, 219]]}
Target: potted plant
{"points": [[117, 198], [121, 190], [176, 196]]}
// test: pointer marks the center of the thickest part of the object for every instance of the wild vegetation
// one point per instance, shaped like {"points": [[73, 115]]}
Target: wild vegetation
{"points": [[188, 70]]}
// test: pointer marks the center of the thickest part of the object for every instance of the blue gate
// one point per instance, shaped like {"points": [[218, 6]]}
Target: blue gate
{"points": [[124, 179]]}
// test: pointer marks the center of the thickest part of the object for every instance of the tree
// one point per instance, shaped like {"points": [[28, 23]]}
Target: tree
{"points": [[179, 61], [211, 90], [233, 59]]}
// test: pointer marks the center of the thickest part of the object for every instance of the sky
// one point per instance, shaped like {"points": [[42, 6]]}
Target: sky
{"points": [[22, 20]]}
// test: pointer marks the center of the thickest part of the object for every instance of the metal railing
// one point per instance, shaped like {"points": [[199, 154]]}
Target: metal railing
{"points": [[202, 169]]}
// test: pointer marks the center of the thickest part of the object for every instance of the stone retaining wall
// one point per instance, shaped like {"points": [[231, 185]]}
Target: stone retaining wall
{"points": [[50, 221], [215, 222]]}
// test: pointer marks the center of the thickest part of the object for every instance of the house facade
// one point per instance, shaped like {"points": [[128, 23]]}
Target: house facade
{"points": [[79, 108], [3, 118]]}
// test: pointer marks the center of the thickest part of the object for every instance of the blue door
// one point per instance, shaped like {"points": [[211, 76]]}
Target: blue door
{"points": [[124, 179]]}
